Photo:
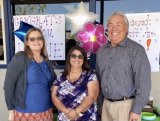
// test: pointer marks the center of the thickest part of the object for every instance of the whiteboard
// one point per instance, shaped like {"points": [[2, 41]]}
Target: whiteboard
{"points": [[53, 28], [144, 28]]}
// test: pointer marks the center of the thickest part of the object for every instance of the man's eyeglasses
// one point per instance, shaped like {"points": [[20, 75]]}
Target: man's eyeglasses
{"points": [[77, 56], [32, 39]]}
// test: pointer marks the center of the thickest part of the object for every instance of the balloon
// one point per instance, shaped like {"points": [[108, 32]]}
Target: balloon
{"points": [[80, 17], [21, 32], [148, 43], [92, 37]]}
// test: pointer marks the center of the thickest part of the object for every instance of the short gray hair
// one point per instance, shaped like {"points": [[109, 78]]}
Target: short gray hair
{"points": [[121, 14]]}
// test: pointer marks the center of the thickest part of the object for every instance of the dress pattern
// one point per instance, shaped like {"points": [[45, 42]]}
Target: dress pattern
{"points": [[43, 116], [73, 93]]}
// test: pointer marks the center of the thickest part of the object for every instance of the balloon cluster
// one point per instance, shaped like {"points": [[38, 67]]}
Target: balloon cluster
{"points": [[90, 36]]}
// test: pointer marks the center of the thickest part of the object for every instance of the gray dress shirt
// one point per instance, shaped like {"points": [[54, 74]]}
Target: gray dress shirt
{"points": [[125, 71]]}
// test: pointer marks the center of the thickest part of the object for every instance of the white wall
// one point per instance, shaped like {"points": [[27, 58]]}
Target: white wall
{"points": [[3, 109], [4, 113]]}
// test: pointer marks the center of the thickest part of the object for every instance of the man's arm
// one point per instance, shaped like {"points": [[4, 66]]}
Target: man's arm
{"points": [[142, 77]]}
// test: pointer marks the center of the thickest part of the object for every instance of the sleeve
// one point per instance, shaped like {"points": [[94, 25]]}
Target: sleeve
{"points": [[58, 80], [92, 77], [12, 75], [142, 77]]}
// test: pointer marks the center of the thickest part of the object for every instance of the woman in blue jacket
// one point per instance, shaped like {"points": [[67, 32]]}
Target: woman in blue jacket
{"points": [[28, 81]]}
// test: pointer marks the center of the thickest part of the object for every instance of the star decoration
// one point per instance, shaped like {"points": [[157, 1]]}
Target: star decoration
{"points": [[21, 32], [80, 17]]}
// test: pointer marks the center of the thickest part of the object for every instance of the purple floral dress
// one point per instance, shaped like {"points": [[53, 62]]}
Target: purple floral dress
{"points": [[72, 94]]}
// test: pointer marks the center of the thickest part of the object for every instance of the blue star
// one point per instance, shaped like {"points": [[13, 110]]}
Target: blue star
{"points": [[21, 32]]}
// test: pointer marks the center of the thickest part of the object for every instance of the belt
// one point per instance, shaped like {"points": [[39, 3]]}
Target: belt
{"points": [[122, 99]]}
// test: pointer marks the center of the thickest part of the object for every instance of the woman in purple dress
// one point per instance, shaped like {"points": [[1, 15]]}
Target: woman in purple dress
{"points": [[76, 89]]}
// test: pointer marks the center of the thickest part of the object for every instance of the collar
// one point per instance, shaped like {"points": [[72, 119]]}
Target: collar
{"points": [[123, 43]]}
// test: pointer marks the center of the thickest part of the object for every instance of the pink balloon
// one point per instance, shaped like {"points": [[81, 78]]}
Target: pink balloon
{"points": [[92, 37]]}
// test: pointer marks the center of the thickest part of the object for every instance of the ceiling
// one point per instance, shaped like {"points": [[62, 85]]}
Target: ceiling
{"points": [[50, 1]]}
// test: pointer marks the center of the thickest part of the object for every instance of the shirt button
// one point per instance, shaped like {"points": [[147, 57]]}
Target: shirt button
{"points": [[106, 90]]}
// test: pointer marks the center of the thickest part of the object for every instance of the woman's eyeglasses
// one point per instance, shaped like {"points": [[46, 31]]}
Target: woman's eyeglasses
{"points": [[32, 39], [77, 56]]}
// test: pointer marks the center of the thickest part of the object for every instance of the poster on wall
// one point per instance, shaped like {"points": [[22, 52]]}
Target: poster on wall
{"points": [[53, 28], [144, 28]]}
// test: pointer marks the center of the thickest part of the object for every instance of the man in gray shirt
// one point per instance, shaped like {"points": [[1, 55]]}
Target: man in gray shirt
{"points": [[124, 73]]}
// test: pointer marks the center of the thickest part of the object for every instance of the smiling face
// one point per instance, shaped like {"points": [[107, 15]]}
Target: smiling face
{"points": [[76, 59], [35, 41], [117, 29]]}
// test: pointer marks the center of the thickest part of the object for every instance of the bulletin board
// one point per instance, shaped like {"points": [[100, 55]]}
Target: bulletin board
{"points": [[53, 28], [144, 28]]}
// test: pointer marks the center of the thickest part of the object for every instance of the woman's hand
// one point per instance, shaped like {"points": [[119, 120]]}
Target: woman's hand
{"points": [[11, 115], [72, 115]]}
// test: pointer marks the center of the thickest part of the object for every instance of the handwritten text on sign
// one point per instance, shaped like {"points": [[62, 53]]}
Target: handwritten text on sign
{"points": [[144, 28], [53, 28]]}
